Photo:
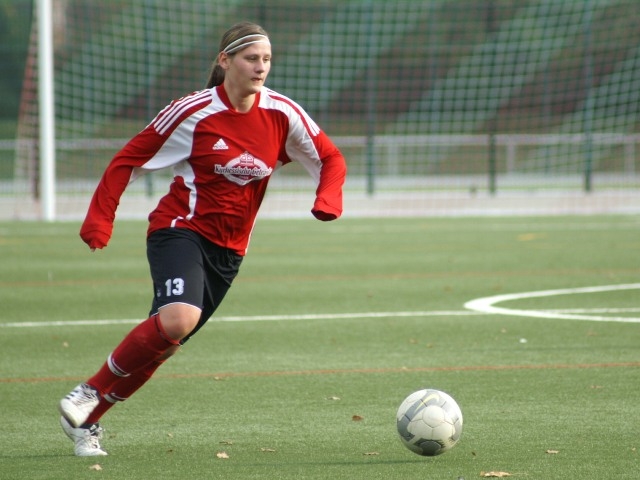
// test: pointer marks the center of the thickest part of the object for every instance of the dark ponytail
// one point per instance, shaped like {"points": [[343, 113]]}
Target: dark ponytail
{"points": [[216, 77]]}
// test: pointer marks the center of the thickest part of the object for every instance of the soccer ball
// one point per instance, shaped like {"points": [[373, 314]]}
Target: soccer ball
{"points": [[429, 422]]}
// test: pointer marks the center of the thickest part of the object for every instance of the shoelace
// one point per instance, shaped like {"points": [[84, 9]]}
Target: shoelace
{"points": [[94, 435], [83, 395]]}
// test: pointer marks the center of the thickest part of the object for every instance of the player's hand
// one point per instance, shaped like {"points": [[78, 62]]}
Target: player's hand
{"points": [[96, 235], [325, 211], [323, 216]]}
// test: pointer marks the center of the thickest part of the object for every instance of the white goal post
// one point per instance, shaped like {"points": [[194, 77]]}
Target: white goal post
{"points": [[46, 110]]}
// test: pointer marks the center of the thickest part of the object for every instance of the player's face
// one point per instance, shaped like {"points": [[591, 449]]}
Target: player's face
{"points": [[247, 70]]}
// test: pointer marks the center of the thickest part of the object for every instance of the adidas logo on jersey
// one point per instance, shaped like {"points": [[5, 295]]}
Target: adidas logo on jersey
{"points": [[220, 145]]}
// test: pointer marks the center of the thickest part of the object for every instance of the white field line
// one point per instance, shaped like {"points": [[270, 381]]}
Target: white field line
{"points": [[487, 304], [250, 318], [478, 306]]}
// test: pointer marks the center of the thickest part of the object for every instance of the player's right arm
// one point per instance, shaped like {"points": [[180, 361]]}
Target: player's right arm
{"points": [[166, 141], [123, 169]]}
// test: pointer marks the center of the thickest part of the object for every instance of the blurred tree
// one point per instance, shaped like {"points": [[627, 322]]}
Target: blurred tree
{"points": [[15, 25]]}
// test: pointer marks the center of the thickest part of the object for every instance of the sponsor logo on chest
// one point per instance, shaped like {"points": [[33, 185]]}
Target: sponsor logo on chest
{"points": [[244, 169]]}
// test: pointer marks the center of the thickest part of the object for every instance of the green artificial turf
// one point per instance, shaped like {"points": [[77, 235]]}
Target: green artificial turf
{"points": [[325, 331]]}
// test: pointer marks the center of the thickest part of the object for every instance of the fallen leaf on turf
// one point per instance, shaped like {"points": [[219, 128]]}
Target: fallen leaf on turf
{"points": [[226, 442], [223, 455], [357, 418], [495, 474], [267, 449], [95, 467], [333, 398], [553, 451]]}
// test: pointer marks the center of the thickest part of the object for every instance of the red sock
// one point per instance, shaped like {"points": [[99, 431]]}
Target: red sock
{"points": [[123, 389], [143, 345]]}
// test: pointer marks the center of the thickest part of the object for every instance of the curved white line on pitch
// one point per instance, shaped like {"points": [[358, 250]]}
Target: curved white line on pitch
{"points": [[487, 304]]}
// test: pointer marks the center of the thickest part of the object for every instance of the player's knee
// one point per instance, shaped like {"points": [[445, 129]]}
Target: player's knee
{"points": [[178, 320]]}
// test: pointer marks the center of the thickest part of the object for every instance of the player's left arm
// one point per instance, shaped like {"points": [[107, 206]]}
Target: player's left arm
{"points": [[311, 147], [333, 171]]}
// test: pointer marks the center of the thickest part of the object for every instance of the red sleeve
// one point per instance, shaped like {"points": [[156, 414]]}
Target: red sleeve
{"points": [[328, 203], [142, 154], [98, 224], [309, 145]]}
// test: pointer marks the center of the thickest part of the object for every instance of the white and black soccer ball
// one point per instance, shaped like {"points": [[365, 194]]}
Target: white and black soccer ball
{"points": [[429, 422]]}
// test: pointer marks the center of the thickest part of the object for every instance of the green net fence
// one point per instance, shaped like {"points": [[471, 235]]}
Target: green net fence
{"points": [[440, 107]]}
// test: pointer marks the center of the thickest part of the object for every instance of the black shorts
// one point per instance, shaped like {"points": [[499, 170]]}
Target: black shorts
{"points": [[187, 268]]}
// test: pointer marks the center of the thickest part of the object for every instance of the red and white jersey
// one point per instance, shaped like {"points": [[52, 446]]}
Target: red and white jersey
{"points": [[222, 161]]}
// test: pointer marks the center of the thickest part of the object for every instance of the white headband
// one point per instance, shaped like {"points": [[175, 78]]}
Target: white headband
{"points": [[237, 44]]}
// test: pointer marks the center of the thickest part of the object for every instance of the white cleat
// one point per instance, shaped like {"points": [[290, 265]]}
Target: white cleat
{"points": [[86, 440], [78, 404]]}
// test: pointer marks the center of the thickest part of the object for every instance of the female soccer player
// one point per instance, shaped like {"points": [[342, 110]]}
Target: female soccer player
{"points": [[223, 143]]}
